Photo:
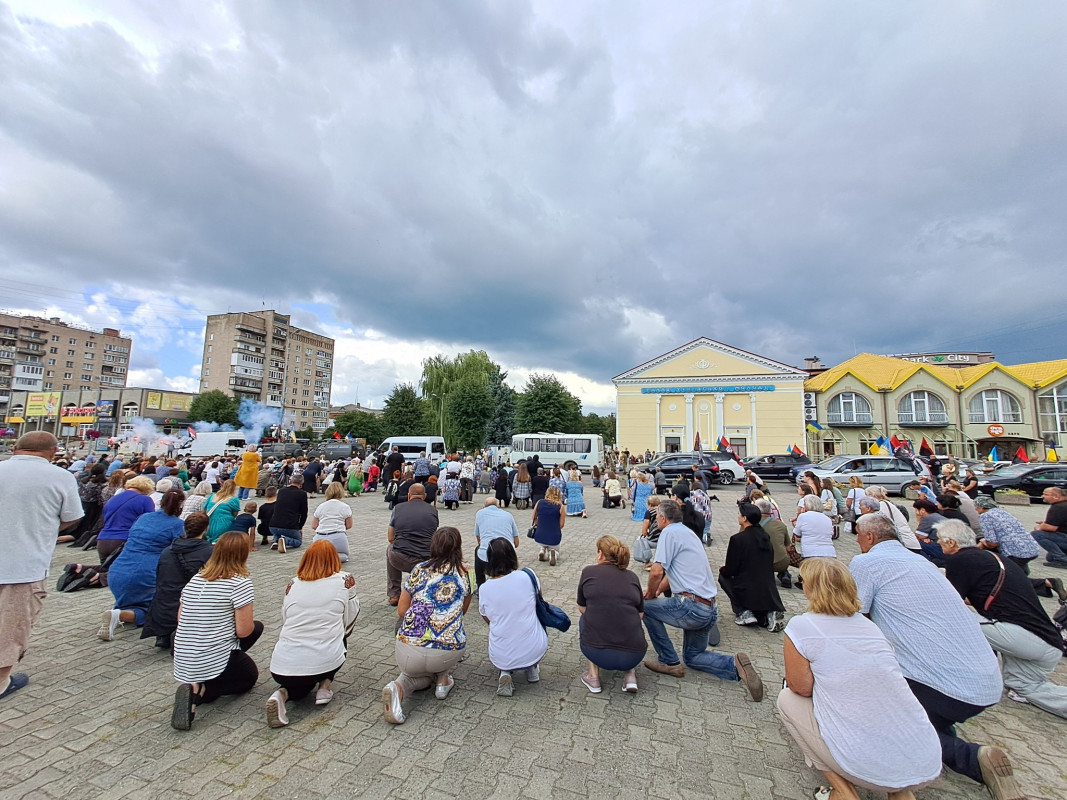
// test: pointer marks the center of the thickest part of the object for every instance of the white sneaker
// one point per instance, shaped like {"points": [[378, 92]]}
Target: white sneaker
{"points": [[109, 622], [276, 716], [1018, 698], [394, 712], [281, 545], [746, 617], [442, 690], [323, 696], [533, 674], [776, 621], [504, 686]]}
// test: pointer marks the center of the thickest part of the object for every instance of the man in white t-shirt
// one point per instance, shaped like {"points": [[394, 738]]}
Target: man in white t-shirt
{"points": [[681, 566], [39, 500]]}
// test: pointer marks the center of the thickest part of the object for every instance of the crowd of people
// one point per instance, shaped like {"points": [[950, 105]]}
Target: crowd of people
{"points": [[173, 543]]}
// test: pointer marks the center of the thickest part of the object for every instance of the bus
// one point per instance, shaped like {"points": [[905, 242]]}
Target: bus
{"points": [[568, 450]]}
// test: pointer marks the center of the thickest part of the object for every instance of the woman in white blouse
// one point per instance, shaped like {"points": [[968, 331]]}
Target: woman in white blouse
{"points": [[841, 673], [318, 613], [814, 530], [333, 520]]}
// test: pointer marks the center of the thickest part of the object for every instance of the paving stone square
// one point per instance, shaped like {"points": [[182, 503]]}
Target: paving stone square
{"points": [[94, 721]]}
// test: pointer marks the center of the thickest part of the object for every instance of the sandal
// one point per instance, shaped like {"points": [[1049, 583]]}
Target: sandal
{"points": [[595, 688], [822, 793], [69, 574], [82, 580]]}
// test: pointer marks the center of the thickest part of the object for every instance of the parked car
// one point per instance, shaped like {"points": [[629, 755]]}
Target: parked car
{"points": [[722, 466], [1030, 478], [888, 471], [777, 466]]}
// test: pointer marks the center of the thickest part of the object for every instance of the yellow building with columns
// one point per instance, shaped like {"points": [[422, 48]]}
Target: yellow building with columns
{"points": [[715, 390]]}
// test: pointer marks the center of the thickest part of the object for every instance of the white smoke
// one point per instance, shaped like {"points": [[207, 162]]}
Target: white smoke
{"points": [[255, 417], [211, 427], [144, 434]]}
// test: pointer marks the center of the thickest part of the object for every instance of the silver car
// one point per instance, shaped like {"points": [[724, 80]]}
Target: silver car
{"points": [[888, 471]]}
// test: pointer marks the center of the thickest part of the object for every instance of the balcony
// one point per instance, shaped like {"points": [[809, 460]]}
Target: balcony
{"points": [[854, 420], [932, 419], [30, 337], [982, 419]]}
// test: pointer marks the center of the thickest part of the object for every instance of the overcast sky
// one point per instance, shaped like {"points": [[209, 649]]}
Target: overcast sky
{"points": [[575, 187]]}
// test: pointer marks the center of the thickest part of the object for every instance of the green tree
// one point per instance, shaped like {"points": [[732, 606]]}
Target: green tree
{"points": [[441, 375], [404, 413], [546, 405], [362, 425], [307, 433], [605, 426], [469, 408], [214, 406], [505, 401]]}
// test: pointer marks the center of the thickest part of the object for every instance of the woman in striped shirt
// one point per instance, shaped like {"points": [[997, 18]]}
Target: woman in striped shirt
{"points": [[215, 628]]}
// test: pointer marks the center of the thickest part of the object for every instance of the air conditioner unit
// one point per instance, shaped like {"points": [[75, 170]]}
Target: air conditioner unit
{"points": [[811, 415], [809, 399]]}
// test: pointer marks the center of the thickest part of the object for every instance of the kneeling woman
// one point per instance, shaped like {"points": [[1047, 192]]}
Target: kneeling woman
{"points": [[215, 628], [841, 674], [318, 613], [430, 641], [508, 602], [612, 604], [177, 565]]}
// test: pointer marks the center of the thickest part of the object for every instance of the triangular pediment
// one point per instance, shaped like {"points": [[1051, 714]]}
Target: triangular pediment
{"points": [[706, 358]]}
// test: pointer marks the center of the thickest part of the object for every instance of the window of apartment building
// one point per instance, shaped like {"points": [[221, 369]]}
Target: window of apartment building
{"points": [[50, 374], [67, 375], [307, 382], [307, 352], [307, 372], [86, 378], [207, 373], [70, 352], [209, 347], [51, 362], [73, 341], [90, 344], [86, 387], [53, 350], [48, 386], [211, 337], [55, 338], [88, 367], [66, 387], [209, 359], [90, 356], [307, 392], [303, 402], [70, 364]]}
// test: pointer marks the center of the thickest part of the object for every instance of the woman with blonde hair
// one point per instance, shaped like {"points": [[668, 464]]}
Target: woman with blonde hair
{"points": [[612, 606], [333, 519], [841, 673], [852, 500], [215, 629], [195, 501], [575, 495], [222, 509], [549, 517], [318, 613], [247, 477]]}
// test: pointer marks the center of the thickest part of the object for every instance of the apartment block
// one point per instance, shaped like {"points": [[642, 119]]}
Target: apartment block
{"points": [[49, 355], [260, 355]]}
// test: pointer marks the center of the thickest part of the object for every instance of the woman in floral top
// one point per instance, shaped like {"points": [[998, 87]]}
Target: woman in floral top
{"points": [[431, 639], [450, 492]]}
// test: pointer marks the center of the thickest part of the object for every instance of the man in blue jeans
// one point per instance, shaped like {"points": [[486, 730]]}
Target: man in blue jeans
{"points": [[1052, 533], [290, 514], [682, 568]]}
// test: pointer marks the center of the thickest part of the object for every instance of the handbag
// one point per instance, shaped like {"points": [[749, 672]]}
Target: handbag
{"points": [[548, 615], [531, 532], [642, 550], [794, 555]]}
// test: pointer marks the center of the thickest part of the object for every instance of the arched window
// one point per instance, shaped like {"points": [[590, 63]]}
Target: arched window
{"points": [[130, 409], [849, 408], [994, 405], [921, 408], [1052, 409]]}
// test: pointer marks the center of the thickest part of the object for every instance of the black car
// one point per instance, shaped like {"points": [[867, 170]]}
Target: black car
{"points": [[776, 466], [1030, 478], [722, 467]]}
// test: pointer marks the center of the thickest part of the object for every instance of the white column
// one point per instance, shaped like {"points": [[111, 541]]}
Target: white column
{"points": [[752, 407], [719, 398], [659, 426], [689, 429]]}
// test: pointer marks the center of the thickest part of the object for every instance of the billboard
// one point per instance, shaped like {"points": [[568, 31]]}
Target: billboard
{"points": [[43, 404], [105, 408], [167, 401], [73, 414]]}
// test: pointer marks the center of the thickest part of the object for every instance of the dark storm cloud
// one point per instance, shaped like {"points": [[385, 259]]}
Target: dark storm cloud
{"points": [[579, 189]]}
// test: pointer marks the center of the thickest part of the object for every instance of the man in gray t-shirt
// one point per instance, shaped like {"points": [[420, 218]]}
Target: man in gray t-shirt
{"points": [[411, 528], [681, 566], [39, 500]]}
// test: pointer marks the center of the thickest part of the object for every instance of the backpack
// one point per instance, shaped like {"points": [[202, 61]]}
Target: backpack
{"points": [[1059, 619]]}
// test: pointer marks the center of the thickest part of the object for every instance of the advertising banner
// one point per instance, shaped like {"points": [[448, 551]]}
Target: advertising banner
{"points": [[175, 402], [154, 399], [43, 404], [73, 414], [105, 408]]}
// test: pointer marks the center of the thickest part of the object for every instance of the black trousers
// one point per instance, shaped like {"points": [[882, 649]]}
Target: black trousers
{"points": [[479, 570], [300, 686], [944, 713], [241, 672]]}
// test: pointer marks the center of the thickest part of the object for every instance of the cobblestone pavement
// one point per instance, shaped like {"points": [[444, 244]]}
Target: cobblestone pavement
{"points": [[94, 721]]}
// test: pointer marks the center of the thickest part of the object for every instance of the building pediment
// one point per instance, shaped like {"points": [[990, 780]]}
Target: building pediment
{"points": [[706, 361]]}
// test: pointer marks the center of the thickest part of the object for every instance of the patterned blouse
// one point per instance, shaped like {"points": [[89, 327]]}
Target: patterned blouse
{"points": [[450, 488], [435, 618]]}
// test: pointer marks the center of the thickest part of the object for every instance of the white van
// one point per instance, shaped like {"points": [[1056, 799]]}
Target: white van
{"points": [[411, 446], [214, 443]]}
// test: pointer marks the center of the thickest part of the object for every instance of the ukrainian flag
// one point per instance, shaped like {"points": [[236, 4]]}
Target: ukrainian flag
{"points": [[814, 427]]}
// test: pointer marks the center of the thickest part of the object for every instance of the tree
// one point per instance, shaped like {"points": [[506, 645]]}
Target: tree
{"points": [[605, 426], [469, 408], [546, 405], [404, 413], [361, 425], [307, 433], [214, 406], [501, 426], [441, 375]]}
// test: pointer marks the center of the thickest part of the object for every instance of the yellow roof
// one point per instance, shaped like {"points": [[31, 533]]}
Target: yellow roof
{"points": [[883, 373], [1041, 373]]}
